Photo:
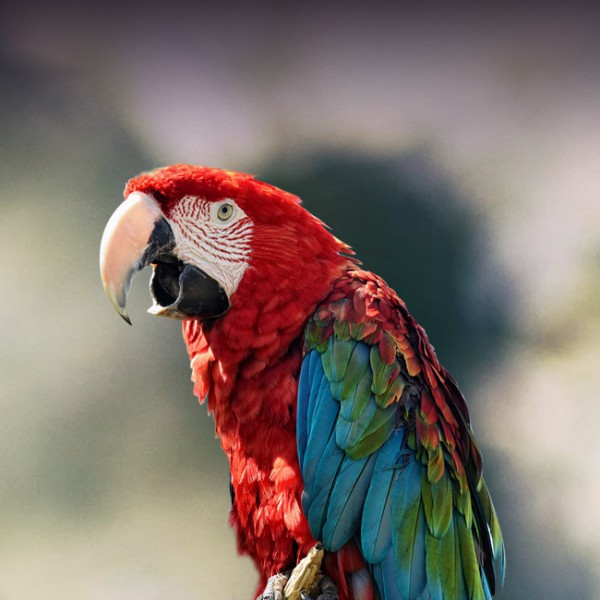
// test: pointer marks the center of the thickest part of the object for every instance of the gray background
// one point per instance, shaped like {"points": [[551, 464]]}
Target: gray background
{"points": [[456, 151]]}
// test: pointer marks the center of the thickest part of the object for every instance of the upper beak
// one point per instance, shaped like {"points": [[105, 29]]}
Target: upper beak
{"points": [[135, 235]]}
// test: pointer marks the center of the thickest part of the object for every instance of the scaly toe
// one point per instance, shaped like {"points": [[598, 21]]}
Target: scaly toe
{"points": [[275, 585]]}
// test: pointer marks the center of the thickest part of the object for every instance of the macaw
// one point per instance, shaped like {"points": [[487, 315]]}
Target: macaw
{"points": [[339, 423]]}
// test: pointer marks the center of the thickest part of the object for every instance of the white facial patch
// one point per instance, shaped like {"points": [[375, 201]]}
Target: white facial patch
{"points": [[213, 236]]}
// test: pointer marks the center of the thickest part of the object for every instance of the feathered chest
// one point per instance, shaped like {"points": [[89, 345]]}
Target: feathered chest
{"points": [[254, 406], [249, 391]]}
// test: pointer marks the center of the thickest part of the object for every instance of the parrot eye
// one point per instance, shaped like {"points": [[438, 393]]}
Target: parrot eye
{"points": [[225, 212]]}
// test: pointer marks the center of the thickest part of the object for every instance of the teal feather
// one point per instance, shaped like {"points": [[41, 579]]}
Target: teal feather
{"points": [[376, 531], [408, 534], [311, 377], [304, 390], [325, 414], [486, 588], [346, 502], [315, 501], [318, 388], [329, 462], [384, 575]]}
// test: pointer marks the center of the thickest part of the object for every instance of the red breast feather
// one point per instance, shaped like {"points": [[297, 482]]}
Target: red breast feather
{"points": [[246, 363]]}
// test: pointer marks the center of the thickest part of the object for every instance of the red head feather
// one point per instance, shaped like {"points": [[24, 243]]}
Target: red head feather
{"points": [[291, 249]]}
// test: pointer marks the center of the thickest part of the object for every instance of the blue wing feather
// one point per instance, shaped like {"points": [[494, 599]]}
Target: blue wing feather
{"points": [[305, 385], [408, 536], [318, 489], [411, 531], [312, 379], [486, 587], [376, 533], [384, 574], [324, 413], [347, 501]]}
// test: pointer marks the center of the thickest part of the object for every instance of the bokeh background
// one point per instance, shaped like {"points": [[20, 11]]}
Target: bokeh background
{"points": [[457, 151]]}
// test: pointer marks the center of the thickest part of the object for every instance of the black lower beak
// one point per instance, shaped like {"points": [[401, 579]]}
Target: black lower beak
{"points": [[182, 291]]}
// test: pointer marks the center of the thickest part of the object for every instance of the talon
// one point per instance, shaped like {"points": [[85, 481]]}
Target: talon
{"points": [[274, 588], [305, 582], [305, 573], [328, 589]]}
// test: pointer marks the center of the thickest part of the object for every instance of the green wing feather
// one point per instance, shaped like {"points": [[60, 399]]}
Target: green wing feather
{"points": [[432, 527]]}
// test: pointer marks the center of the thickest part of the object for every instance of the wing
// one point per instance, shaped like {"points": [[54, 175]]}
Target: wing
{"points": [[387, 453]]}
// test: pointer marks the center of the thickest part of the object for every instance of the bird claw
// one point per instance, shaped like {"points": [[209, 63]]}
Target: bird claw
{"points": [[305, 582], [327, 589], [275, 587]]}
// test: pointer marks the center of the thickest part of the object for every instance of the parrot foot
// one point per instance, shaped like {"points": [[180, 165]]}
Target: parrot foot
{"points": [[327, 589], [305, 582], [275, 586]]}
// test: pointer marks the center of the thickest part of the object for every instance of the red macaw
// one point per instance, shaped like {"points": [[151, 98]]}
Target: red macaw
{"points": [[339, 423]]}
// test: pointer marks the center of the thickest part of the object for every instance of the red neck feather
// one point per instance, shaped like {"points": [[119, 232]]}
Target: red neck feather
{"points": [[246, 364]]}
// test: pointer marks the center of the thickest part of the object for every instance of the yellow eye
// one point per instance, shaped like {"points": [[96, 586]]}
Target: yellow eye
{"points": [[225, 212]]}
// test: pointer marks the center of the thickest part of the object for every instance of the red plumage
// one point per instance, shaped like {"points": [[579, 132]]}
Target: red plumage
{"points": [[246, 364]]}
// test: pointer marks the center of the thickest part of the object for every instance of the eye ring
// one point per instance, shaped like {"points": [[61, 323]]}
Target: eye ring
{"points": [[225, 212]]}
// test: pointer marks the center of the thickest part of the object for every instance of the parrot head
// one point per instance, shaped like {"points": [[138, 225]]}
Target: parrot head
{"points": [[213, 238]]}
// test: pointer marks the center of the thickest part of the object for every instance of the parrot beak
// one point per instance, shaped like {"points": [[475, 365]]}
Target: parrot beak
{"points": [[135, 235], [138, 235]]}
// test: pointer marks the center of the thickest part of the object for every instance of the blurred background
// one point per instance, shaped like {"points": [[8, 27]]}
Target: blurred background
{"points": [[458, 152]]}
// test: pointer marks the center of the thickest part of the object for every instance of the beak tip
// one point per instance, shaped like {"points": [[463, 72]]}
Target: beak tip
{"points": [[118, 303], [120, 308]]}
